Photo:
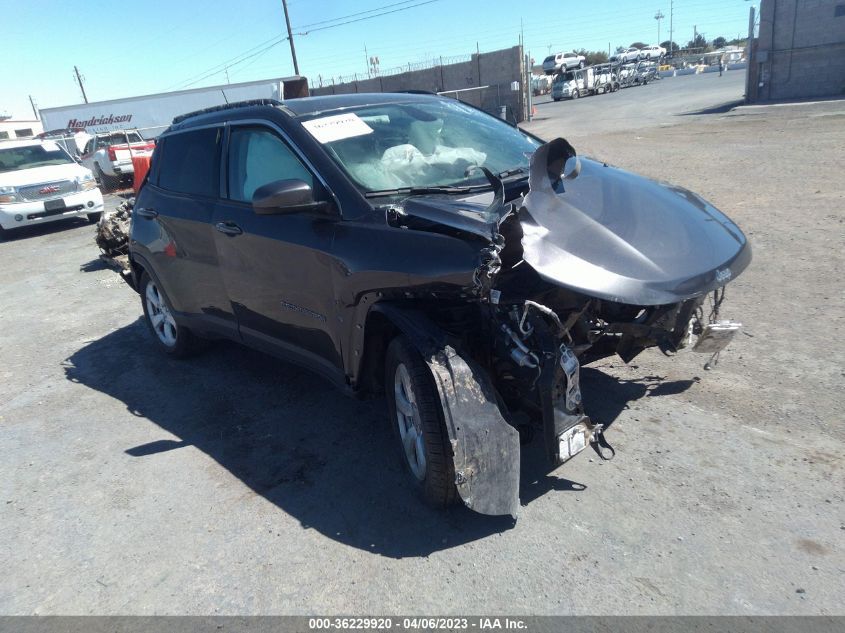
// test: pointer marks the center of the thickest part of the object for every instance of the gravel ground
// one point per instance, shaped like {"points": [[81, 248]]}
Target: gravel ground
{"points": [[233, 483]]}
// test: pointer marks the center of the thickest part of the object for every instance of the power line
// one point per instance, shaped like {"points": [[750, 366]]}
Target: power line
{"points": [[369, 17], [352, 15], [229, 62], [217, 72]]}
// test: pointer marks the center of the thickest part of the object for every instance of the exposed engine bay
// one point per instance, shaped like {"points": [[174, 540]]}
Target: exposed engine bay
{"points": [[588, 262]]}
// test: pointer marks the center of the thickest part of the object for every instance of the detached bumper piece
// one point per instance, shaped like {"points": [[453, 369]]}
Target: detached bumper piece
{"points": [[485, 447], [567, 430]]}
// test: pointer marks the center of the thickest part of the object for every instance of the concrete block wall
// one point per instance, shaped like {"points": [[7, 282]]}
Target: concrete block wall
{"points": [[496, 69], [800, 51]]}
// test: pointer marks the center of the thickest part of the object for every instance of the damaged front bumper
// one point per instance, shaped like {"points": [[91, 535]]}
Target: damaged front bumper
{"points": [[486, 448]]}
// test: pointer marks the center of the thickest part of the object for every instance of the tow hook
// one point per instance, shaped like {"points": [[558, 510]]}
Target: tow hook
{"points": [[600, 444]]}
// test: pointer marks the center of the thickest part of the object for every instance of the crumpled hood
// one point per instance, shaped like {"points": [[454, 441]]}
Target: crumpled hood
{"points": [[618, 236], [610, 234]]}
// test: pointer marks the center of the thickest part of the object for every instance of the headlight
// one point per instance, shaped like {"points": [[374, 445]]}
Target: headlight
{"points": [[86, 182], [9, 194]]}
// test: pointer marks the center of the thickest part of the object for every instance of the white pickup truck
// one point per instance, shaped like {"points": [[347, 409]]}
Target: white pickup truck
{"points": [[109, 155], [40, 182]]}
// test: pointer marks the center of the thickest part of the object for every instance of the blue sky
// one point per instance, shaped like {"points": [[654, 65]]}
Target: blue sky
{"points": [[133, 48]]}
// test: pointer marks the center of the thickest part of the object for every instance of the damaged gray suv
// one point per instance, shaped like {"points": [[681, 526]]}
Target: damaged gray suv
{"points": [[415, 246]]}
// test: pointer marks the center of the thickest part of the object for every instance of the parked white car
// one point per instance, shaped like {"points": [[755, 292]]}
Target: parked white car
{"points": [[652, 53], [628, 55], [109, 155], [40, 182], [563, 61]]}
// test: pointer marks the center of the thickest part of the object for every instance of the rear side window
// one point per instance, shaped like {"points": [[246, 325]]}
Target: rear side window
{"points": [[258, 157], [188, 162]]}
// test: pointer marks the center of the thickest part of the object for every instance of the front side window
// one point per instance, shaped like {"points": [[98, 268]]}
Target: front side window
{"points": [[29, 156], [258, 157], [429, 143], [188, 163]]}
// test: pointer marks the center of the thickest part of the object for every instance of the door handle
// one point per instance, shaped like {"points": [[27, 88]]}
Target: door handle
{"points": [[147, 212], [229, 228]]}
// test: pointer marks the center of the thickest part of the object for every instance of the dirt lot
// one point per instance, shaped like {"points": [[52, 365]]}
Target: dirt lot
{"points": [[233, 483]]}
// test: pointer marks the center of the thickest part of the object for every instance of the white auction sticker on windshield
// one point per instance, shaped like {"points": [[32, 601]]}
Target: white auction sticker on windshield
{"points": [[335, 128]]}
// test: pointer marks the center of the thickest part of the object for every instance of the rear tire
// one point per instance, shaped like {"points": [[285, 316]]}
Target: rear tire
{"points": [[416, 416], [93, 218], [105, 181], [174, 339]]}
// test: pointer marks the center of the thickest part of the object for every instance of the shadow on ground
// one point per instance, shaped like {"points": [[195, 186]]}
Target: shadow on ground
{"points": [[327, 460], [35, 230], [722, 108]]}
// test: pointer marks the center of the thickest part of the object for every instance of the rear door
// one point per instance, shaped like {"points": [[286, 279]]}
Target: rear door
{"points": [[173, 216], [277, 269]]}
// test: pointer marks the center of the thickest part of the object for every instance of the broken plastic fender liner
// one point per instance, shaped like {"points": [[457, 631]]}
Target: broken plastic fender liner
{"points": [[485, 447]]}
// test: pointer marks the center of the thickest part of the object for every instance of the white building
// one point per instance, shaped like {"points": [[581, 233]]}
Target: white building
{"points": [[11, 129]]}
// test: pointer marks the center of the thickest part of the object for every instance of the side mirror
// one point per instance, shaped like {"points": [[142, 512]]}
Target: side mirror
{"points": [[285, 196]]}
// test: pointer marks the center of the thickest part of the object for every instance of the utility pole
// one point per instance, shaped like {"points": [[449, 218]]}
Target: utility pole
{"points": [[290, 38], [671, 15], [34, 109], [694, 35], [226, 70], [81, 87], [658, 16], [367, 60], [750, 88]]}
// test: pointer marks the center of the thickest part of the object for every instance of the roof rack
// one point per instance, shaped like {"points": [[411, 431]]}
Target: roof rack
{"points": [[227, 106]]}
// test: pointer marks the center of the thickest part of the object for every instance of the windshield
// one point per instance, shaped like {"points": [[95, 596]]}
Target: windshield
{"points": [[29, 156], [437, 143]]}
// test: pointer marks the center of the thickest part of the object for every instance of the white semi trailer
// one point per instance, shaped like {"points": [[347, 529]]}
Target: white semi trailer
{"points": [[151, 114]]}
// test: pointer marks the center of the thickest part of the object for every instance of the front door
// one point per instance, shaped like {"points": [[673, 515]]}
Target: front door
{"points": [[277, 269]]}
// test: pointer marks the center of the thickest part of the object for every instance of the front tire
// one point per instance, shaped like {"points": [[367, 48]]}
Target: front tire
{"points": [[102, 179], [416, 417], [174, 339]]}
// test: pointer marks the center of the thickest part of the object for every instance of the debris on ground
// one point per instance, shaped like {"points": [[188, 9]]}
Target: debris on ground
{"points": [[113, 235]]}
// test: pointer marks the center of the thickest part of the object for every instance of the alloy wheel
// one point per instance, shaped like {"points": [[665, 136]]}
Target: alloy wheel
{"points": [[408, 419], [160, 317]]}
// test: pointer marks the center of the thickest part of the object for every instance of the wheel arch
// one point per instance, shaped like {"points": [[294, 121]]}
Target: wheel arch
{"points": [[383, 323]]}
